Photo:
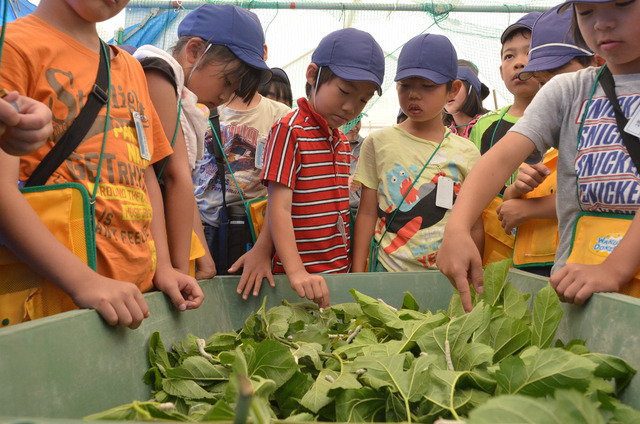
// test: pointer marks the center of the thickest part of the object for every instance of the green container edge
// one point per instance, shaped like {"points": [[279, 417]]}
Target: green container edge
{"points": [[96, 367]]}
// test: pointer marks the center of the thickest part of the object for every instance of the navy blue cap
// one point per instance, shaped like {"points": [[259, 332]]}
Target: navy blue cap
{"points": [[352, 55], [564, 6], [280, 73], [552, 45], [230, 26], [467, 74], [526, 21], [429, 56]]}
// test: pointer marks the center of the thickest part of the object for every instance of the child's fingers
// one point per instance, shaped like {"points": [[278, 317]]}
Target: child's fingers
{"points": [[256, 285], [108, 313], [134, 312], [272, 281], [195, 296]]}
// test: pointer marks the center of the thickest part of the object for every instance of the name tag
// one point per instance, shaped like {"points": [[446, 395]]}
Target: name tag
{"points": [[444, 193], [633, 126], [142, 137]]}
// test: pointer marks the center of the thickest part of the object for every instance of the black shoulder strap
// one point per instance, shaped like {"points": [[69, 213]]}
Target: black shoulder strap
{"points": [[630, 141], [78, 129]]}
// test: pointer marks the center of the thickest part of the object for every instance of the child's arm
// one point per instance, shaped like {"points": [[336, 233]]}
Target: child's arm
{"points": [[577, 282], [458, 257], [178, 194], [205, 266], [118, 302], [516, 211], [256, 263], [182, 289], [26, 130], [311, 286], [364, 228]]}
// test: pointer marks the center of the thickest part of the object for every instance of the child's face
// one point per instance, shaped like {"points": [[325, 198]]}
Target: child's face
{"points": [[612, 31], [543, 77], [96, 10], [455, 105], [340, 101], [212, 83], [515, 55], [422, 100]]}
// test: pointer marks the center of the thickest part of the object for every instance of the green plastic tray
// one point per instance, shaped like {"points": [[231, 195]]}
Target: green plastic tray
{"points": [[71, 365]]}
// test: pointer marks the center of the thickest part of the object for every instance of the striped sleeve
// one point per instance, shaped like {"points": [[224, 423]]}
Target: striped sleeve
{"points": [[281, 153]]}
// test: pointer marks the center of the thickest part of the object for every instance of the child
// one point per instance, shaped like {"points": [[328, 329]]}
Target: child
{"points": [[404, 169], [589, 145], [491, 127], [529, 203], [59, 67], [25, 124], [466, 108], [306, 165], [278, 88], [208, 67]]}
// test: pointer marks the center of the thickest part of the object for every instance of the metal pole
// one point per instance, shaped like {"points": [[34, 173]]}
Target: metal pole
{"points": [[432, 7]]}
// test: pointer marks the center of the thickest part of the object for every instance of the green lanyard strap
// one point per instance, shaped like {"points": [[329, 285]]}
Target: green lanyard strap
{"points": [[173, 141]]}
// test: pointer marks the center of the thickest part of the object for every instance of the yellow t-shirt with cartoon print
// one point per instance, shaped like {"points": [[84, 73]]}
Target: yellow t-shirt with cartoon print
{"points": [[390, 161]]}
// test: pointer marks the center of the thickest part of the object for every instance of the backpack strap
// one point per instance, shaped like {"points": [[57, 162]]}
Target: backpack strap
{"points": [[629, 141], [78, 129]]}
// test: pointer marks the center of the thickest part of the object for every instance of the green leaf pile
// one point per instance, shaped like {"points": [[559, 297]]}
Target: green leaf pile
{"points": [[367, 361]]}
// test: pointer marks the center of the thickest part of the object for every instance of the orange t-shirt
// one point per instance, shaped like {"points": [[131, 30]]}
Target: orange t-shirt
{"points": [[43, 63]]}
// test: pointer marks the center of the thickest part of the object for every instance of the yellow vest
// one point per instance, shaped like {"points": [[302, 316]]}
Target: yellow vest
{"points": [[537, 239], [595, 235]]}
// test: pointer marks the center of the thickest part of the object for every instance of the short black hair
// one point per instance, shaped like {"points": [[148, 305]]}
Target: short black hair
{"points": [[326, 75], [526, 33], [248, 76], [280, 88], [472, 105]]}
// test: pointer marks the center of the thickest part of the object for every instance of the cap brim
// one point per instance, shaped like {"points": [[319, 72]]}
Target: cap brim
{"points": [[356, 74], [253, 60], [545, 63], [435, 77]]}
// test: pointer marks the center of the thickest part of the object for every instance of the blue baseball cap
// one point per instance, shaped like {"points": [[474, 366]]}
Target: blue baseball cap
{"points": [[467, 74], [429, 56], [230, 26], [564, 6], [280, 73], [526, 22], [552, 45], [352, 55]]}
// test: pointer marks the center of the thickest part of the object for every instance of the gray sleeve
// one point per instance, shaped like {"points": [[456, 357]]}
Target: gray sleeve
{"points": [[543, 118]]}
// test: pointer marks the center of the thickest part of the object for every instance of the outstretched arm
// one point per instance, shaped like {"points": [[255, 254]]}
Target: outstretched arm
{"points": [[364, 228], [459, 258]]}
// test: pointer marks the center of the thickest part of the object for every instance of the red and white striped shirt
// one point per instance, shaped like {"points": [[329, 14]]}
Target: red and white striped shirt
{"points": [[303, 155]]}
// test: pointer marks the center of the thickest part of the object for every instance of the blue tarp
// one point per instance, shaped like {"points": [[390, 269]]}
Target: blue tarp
{"points": [[135, 36], [16, 9]]}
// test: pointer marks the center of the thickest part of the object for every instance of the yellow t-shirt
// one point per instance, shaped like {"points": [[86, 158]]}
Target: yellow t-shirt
{"points": [[390, 160]]}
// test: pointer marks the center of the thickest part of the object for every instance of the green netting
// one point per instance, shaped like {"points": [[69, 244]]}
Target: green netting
{"points": [[293, 29]]}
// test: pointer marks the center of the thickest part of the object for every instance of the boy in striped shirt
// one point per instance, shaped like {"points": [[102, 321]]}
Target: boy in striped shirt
{"points": [[307, 159]]}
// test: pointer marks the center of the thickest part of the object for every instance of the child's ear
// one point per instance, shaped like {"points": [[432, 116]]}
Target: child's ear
{"points": [[456, 86], [193, 49], [312, 74]]}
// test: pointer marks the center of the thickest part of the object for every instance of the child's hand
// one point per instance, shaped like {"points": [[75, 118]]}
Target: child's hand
{"points": [[575, 283], [512, 213], [311, 286], [529, 177], [27, 130], [182, 289], [459, 260], [256, 266], [353, 186], [205, 267], [118, 302]]}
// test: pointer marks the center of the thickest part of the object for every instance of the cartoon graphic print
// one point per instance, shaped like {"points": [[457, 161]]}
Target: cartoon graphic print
{"points": [[417, 212]]}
